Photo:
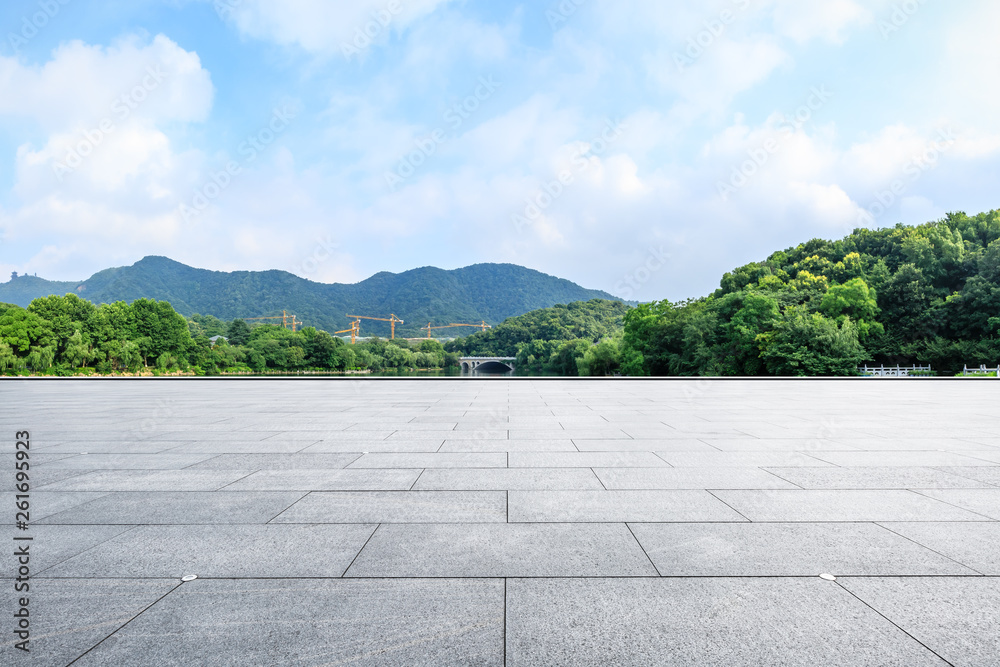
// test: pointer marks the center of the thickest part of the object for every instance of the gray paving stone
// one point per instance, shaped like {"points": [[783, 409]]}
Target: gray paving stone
{"points": [[111, 447], [626, 622], [39, 477], [498, 479], [955, 618], [162, 461], [980, 457], [346, 446], [316, 622], [51, 545], [357, 436], [900, 459], [396, 426], [398, 507], [435, 460], [686, 444], [586, 460], [148, 480], [272, 446], [972, 544], [748, 444], [186, 507], [252, 462], [483, 445], [786, 550], [740, 459], [831, 477], [574, 434], [597, 506], [42, 504], [327, 480], [985, 502], [915, 444], [197, 435], [502, 550], [70, 616], [987, 475], [782, 505], [690, 478], [686, 428], [984, 439], [222, 552]]}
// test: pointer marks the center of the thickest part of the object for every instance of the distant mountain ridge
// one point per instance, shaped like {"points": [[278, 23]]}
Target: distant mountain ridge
{"points": [[490, 292]]}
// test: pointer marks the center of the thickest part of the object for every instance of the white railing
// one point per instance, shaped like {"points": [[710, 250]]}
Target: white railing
{"points": [[982, 370], [891, 371]]}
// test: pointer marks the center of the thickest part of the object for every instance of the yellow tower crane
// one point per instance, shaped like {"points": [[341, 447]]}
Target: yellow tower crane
{"points": [[392, 319], [355, 330], [285, 318]]}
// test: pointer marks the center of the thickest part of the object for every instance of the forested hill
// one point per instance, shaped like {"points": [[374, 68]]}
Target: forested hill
{"points": [[928, 294], [491, 292]]}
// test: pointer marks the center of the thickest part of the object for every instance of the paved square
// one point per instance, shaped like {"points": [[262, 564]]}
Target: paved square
{"points": [[505, 521]]}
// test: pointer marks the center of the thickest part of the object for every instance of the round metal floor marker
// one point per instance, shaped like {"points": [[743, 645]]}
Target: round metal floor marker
{"points": [[828, 577], [189, 577]]}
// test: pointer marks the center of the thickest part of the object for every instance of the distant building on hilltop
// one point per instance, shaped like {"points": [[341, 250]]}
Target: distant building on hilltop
{"points": [[13, 275]]}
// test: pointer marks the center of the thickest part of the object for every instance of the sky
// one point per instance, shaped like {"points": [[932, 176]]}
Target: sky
{"points": [[642, 147]]}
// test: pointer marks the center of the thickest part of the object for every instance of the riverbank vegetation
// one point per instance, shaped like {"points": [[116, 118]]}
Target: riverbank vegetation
{"points": [[67, 335], [928, 294]]}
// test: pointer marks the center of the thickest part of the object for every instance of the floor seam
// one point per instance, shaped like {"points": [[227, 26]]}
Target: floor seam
{"points": [[894, 624], [237, 480], [728, 505], [268, 522], [357, 555], [631, 532], [924, 546], [123, 625]]}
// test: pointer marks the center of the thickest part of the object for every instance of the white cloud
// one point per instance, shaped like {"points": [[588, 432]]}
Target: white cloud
{"points": [[970, 65], [82, 84], [829, 20], [324, 26], [107, 170]]}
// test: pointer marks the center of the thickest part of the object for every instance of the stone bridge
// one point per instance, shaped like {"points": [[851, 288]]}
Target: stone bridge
{"points": [[487, 364]]}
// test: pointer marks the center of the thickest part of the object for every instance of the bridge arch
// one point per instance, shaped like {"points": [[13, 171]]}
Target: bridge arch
{"points": [[487, 364]]}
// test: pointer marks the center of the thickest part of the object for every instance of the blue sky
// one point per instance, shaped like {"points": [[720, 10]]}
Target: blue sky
{"points": [[643, 147]]}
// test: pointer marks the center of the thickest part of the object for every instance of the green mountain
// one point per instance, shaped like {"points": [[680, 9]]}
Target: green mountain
{"points": [[490, 292]]}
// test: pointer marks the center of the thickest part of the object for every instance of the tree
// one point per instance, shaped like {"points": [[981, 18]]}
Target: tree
{"points": [[565, 359], [238, 332], [854, 299], [601, 359], [40, 358], [78, 351], [7, 358], [321, 350], [129, 356], [21, 329], [809, 344]]}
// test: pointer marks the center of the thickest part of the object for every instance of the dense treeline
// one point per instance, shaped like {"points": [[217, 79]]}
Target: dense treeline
{"points": [[67, 335], [928, 294], [580, 338]]}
